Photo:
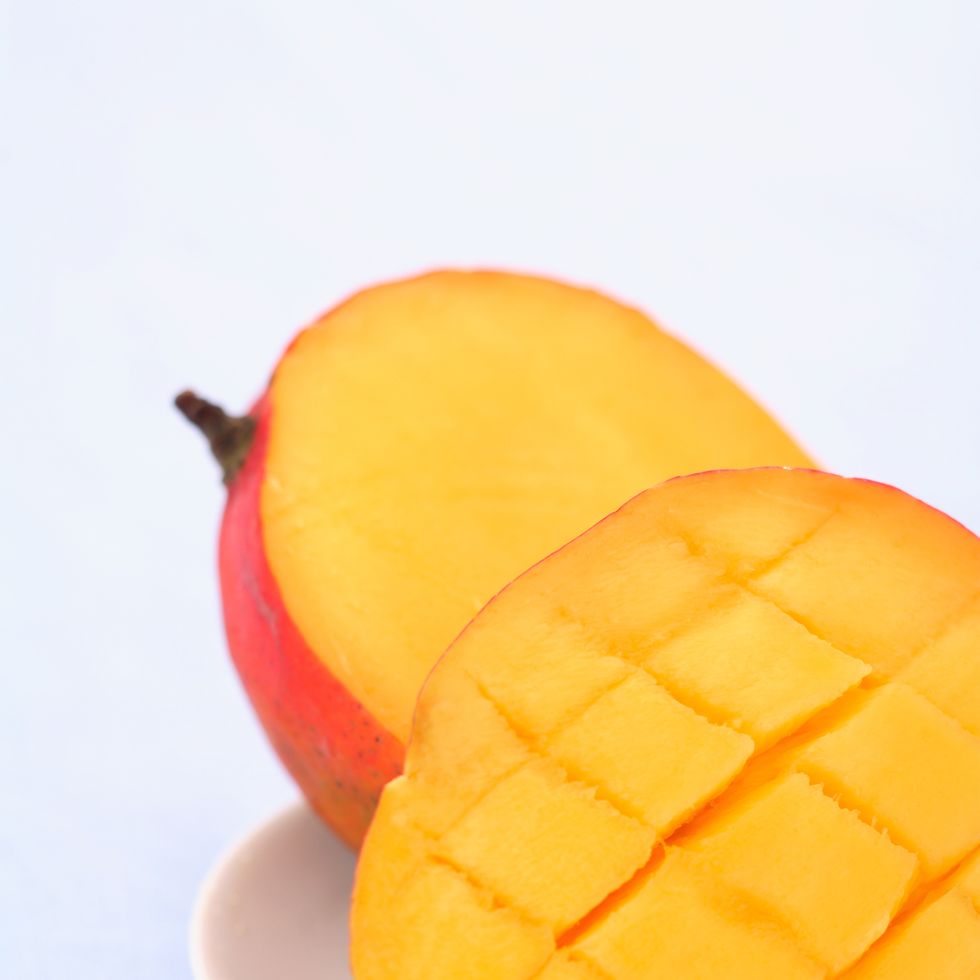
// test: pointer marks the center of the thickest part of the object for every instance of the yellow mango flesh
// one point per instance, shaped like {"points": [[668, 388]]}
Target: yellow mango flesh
{"points": [[741, 766], [431, 439], [651, 935]]}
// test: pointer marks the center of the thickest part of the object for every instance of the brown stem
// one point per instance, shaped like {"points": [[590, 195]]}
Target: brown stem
{"points": [[229, 436]]}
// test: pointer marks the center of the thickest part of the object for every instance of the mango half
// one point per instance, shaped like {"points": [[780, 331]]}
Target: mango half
{"points": [[418, 447], [733, 731]]}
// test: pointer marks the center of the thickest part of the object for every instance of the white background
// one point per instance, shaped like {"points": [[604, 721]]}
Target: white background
{"points": [[790, 186]]}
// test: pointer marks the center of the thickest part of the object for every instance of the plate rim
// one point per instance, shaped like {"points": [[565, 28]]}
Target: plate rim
{"points": [[209, 883]]}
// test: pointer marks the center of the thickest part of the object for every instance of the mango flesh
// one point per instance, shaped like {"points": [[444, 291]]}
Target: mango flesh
{"points": [[714, 736], [430, 439]]}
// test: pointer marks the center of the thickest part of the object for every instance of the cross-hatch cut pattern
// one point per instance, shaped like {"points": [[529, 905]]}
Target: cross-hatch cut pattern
{"points": [[536, 748], [839, 796], [715, 824]]}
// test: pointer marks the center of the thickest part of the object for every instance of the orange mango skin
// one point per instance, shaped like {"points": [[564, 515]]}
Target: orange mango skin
{"points": [[332, 746]]}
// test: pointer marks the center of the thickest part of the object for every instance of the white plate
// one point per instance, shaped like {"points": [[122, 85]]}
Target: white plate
{"points": [[275, 906]]}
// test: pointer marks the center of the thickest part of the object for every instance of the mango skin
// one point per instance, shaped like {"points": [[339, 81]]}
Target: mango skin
{"points": [[333, 747]]}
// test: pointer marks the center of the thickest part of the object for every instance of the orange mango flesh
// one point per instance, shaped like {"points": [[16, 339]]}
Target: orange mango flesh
{"points": [[432, 438], [714, 736]]}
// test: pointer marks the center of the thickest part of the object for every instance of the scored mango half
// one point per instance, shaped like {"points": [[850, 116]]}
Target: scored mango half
{"points": [[732, 731]]}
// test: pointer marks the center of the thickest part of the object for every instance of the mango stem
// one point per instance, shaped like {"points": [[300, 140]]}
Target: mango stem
{"points": [[229, 436]]}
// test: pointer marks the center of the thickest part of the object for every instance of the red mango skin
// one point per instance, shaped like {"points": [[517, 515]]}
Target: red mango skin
{"points": [[333, 747]]}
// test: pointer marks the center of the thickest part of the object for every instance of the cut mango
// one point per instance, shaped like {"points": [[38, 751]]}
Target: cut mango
{"points": [[539, 812], [940, 938], [775, 673], [416, 448], [639, 720], [911, 768], [433, 438], [778, 845], [710, 738], [682, 923]]}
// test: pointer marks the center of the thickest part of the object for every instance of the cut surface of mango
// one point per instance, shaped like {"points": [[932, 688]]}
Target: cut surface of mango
{"points": [[714, 736], [432, 438]]}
